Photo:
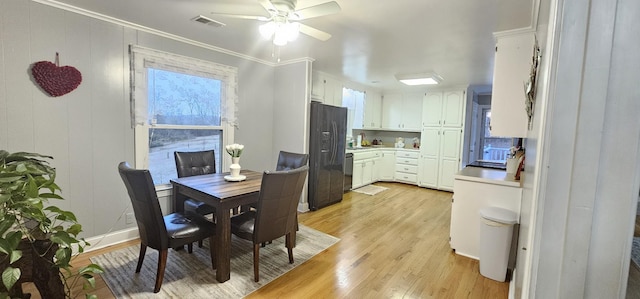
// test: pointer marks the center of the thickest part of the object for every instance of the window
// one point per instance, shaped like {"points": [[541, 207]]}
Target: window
{"points": [[494, 149], [354, 101], [180, 104]]}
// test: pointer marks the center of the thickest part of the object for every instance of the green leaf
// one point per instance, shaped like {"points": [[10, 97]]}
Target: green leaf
{"points": [[50, 195], [4, 295], [63, 256], [63, 238], [90, 280], [91, 268], [5, 246], [4, 197], [9, 179], [15, 255], [87, 296], [32, 189], [10, 276], [75, 229], [7, 222]]}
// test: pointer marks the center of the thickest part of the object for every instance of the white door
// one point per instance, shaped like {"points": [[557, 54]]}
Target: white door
{"points": [[450, 144], [431, 109], [452, 111]]}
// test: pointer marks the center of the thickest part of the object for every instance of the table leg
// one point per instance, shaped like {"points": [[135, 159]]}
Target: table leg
{"points": [[178, 199], [223, 244]]}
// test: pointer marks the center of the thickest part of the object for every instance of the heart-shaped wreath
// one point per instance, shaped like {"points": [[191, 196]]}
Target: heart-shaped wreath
{"points": [[56, 80]]}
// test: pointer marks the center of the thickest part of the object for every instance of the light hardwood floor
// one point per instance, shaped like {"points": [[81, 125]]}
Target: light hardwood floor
{"points": [[393, 245]]}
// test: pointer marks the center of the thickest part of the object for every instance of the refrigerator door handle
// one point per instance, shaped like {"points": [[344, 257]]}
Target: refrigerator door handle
{"points": [[334, 143]]}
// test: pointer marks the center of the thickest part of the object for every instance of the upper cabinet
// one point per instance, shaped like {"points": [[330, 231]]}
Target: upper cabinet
{"points": [[514, 53], [443, 108], [402, 112], [326, 89], [372, 111]]}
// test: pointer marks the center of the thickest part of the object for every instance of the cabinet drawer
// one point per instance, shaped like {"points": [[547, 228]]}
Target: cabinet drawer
{"points": [[365, 155], [406, 177], [407, 154], [406, 161], [407, 168]]}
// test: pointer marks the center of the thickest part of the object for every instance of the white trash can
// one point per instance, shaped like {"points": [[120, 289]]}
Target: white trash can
{"points": [[495, 241]]}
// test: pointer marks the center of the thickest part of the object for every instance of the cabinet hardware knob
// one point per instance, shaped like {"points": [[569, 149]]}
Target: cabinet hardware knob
{"points": [[524, 248]]}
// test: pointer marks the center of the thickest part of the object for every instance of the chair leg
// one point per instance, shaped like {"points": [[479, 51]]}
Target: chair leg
{"points": [[256, 261], [190, 247], [143, 251], [212, 251], [200, 243], [162, 263], [290, 240]]}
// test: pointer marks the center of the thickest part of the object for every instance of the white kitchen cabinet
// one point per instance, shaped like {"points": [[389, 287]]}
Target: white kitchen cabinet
{"points": [[402, 112], [440, 153], [443, 108], [385, 168], [363, 168], [372, 111], [514, 51], [407, 166], [449, 157], [326, 89], [468, 198]]}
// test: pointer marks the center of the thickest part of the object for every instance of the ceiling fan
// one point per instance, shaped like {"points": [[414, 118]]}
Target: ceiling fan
{"points": [[283, 21]]}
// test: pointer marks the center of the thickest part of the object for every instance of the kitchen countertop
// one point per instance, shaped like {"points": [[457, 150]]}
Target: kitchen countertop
{"points": [[487, 175], [372, 148]]}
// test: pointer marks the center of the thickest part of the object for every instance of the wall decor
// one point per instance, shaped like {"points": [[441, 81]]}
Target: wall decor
{"points": [[530, 86], [54, 79]]}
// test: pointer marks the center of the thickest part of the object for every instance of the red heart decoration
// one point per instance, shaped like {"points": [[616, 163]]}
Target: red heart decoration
{"points": [[56, 80]]}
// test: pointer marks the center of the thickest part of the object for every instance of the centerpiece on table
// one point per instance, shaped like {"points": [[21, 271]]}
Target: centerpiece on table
{"points": [[235, 150]]}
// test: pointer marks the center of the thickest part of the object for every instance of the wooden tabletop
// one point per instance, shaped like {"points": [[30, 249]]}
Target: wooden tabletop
{"points": [[216, 187]]}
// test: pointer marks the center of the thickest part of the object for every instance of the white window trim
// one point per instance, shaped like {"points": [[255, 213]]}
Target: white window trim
{"points": [[143, 58]]}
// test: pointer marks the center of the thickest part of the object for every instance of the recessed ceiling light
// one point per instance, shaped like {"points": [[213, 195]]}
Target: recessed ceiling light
{"points": [[428, 78]]}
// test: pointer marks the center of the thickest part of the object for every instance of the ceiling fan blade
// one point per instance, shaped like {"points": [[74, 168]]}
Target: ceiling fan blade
{"points": [[260, 18], [315, 33], [268, 6], [323, 9]]}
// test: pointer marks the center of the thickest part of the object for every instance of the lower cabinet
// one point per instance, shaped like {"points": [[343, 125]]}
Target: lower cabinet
{"points": [[384, 169], [468, 199], [407, 167], [364, 168]]}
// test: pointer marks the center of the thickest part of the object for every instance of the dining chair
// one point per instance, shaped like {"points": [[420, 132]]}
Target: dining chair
{"points": [[157, 231], [196, 163], [275, 214], [288, 160]]}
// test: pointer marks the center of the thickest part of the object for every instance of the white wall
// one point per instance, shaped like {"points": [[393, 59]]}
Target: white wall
{"points": [[590, 153], [88, 131]]}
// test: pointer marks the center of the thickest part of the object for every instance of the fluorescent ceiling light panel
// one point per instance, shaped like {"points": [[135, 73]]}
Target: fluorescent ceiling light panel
{"points": [[420, 79]]}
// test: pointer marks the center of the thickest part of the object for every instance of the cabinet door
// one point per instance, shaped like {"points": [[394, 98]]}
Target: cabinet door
{"points": [[450, 144], [511, 70], [392, 112], [446, 175], [387, 166], [367, 172], [357, 174], [372, 110], [453, 108], [431, 109], [377, 169], [412, 111], [430, 142], [317, 86], [332, 92], [428, 172]]}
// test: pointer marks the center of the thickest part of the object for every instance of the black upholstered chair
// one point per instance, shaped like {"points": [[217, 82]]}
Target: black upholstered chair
{"points": [[157, 231], [288, 161], [275, 214], [196, 163]]}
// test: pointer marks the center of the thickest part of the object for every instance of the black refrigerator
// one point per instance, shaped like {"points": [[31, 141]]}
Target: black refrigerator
{"points": [[327, 138]]}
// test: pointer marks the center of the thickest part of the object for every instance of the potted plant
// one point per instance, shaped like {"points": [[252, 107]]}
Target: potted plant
{"points": [[37, 240]]}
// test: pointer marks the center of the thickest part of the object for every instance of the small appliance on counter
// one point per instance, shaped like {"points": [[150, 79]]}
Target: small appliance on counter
{"points": [[399, 142]]}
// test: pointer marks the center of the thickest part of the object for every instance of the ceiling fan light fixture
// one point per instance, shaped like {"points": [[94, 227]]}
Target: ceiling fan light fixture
{"points": [[267, 30], [429, 78], [281, 32]]}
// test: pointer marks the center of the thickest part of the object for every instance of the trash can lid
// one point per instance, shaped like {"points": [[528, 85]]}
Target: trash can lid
{"points": [[499, 215]]}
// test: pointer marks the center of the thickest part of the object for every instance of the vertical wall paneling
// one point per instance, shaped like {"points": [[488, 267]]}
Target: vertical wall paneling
{"points": [[4, 125], [19, 89]]}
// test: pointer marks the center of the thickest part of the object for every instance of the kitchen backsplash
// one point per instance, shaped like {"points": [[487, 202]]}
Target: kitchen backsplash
{"points": [[388, 137]]}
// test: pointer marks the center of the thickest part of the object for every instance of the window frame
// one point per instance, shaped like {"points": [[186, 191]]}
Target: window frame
{"points": [[139, 96]]}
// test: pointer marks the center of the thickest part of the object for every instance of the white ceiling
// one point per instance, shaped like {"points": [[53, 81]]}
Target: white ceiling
{"points": [[372, 39]]}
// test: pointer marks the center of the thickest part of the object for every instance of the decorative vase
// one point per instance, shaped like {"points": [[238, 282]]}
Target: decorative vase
{"points": [[235, 167]]}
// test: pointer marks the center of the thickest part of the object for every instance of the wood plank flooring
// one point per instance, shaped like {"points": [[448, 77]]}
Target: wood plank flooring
{"points": [[393, 245]]}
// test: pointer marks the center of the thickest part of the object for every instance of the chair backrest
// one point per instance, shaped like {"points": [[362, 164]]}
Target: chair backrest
{"points": [[146, 207], [288, 161], [195, 163], [277, 203]]}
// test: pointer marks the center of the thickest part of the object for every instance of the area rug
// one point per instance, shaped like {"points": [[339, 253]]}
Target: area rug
{"points": [[370, 189], [635, 252], [190, 275]]}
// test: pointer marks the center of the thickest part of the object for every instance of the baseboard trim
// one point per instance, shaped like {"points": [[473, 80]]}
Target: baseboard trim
{"points": [[102, 241]]}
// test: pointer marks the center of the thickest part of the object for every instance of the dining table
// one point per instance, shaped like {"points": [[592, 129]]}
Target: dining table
{"points": [[224, 194]]}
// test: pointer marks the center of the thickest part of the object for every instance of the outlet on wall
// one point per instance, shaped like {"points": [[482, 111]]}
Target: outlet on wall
{"points": [[129, 218]]}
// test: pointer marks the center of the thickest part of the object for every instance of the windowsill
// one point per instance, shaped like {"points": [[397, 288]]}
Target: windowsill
{"points": [[164, 190]]}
